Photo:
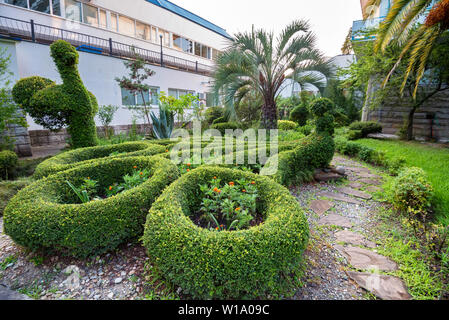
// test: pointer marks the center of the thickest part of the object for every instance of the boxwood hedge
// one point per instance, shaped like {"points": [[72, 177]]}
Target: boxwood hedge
{"points": [[78, 157], [44, 214], [206, 264]]}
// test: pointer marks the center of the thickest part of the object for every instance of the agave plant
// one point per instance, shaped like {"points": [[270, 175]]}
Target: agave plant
{"points": [[399, 27], [164, 124]]}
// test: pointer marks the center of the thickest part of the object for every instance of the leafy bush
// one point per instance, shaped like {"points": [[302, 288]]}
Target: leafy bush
{"points": [[286, 125], [222, 127], [300, 115], [319, 107], [219, 120], [412, 192], [54, 106], [8, 162], [359, 130], [9, 189], [106, 115], [213, 113], [71, 159], [208, 264], [45, 215]]}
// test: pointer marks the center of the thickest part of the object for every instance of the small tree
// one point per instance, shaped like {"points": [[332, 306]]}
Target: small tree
{"points": [[138, 74], [10, 113], [106, 115]]}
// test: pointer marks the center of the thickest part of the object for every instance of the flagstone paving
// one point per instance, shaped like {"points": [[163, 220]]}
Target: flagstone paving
{"points": [[341, 262]]}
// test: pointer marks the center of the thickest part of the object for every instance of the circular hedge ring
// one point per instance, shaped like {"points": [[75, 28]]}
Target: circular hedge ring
{"points": [[44, 215], [207, 264], [71, 159]]}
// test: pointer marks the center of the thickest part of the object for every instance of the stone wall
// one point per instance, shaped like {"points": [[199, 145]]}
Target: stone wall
{"points": [[21, 140], [431, 121]]}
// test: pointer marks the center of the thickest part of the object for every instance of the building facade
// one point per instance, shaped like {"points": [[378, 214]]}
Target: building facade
{"points": [[179, 46]]}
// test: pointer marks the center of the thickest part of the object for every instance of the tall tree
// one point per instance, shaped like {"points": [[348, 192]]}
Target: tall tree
{"points": [[258, 62], [400, 28]]}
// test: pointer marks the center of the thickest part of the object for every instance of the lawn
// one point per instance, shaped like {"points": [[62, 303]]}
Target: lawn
{"points": [[433, 160]]}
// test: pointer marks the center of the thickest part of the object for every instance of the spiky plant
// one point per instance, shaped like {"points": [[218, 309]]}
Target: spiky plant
{"points": [[399, 27], [164, 124], [258, 63]]}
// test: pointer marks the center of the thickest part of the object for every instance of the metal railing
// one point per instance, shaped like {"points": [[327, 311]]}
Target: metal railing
{"points": [[30, 31]]}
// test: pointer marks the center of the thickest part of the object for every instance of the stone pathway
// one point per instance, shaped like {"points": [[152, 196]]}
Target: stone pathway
{"points": [[339, 218]]}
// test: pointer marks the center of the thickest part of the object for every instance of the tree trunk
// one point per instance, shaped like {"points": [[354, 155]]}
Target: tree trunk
{"points": [[410, 121], [269, 115]]}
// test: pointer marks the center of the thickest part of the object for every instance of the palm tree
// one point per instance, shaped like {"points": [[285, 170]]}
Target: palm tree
{"points": [[257, 63], [400, 27]]}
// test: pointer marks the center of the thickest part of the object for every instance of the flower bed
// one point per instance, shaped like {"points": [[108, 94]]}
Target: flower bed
{"points": [[226, 264], [71, 159], [45, 215]]}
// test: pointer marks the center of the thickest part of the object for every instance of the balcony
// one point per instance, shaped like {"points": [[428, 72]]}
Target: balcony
{"points": [[358, 28], [21, 30]]}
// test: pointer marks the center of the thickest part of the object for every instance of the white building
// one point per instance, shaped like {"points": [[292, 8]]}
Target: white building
{"points": [[178, 44]]}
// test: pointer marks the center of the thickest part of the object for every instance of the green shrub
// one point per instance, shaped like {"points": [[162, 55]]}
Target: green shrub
{"points": [[319, 107], [222, 127], [45, 215], [412, 192], [71, 159], [219, 120], [286, 125], [363, 129], [300, 115], [8, 162], [298, 164], [325, 124], [9, 189], [54, 106], [249, 263], [213, 113]]}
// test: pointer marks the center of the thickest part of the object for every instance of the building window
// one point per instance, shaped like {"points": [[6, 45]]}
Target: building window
{"points": [[126, 26], [142, 31], [154, 35], [56, 6], [114, 23], [73, 10], [19, 3], [40, 5], [177, 93], [182, 44], [90, 15], [131, 99], [103, 19]]}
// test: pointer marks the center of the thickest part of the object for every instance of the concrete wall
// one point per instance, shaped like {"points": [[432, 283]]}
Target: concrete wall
{"points": [[391, 115]]}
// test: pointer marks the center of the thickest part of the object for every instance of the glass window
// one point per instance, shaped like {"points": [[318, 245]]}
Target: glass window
{"points": [[73, 10], [128, 99], [56, 7], [154, 92], [167, 39], [40, 5], [126, 26], [90, 15], [114, 22], [177, 42], [187, 45], [173, 93], [154, 35], [142, 31], [146, 96], [182, 93], [19, 3], [103, 20], [204, 50], [197, 49]]}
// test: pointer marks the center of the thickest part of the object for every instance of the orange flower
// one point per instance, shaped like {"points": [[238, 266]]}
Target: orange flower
{"points": [[238, 209], [88, 178], [110, 188], [135, 167], [188, 170], [231, 184], [243, 190], [166, 150], [189, 164], [215, 178], [216, 189], [253, 182], [141, 173], [217, 228]]}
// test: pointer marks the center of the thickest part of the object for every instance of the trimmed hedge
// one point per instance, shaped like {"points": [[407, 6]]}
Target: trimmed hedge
{"points": [[206, 264], [78, 157], [222, 127], [300, 115], [38, 217], [287, 125], [359, 130], [8, 161]]}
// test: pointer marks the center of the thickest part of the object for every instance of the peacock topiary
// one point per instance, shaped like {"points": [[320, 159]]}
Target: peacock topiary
{"points": [[55, 106]]}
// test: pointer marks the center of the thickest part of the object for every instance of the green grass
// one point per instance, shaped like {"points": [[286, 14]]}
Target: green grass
{"points": [[433, 160]]}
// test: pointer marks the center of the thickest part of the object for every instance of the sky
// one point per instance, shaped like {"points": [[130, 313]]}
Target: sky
{"points": [[330, 19]]}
